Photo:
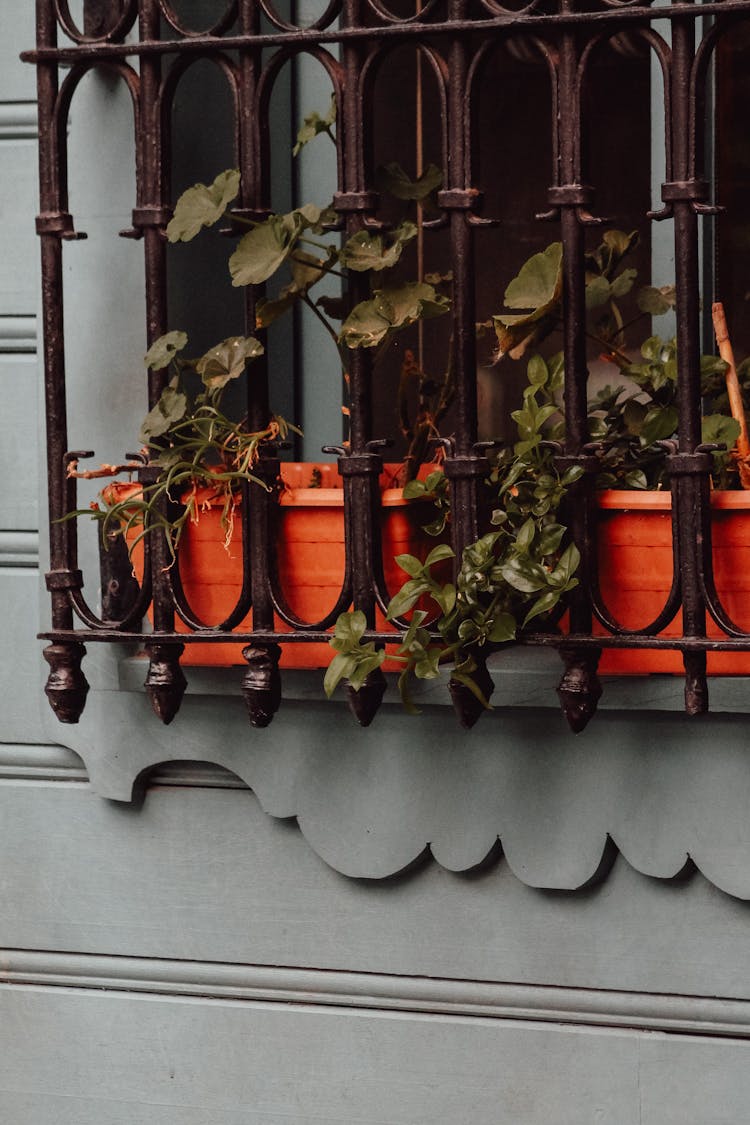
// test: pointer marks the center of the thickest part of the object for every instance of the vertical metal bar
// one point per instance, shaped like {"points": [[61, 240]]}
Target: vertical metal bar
{"points": [[66, 685], [464, 468], [362, 466], [690, 488], [261, 686], [579, 690], [256, 502], [165, 681]]}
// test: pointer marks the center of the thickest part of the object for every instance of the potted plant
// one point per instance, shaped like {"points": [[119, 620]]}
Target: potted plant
{"points": [[204, 459], [511, 577]]}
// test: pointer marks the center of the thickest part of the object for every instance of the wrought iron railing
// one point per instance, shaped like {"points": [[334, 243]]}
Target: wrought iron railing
{"points": [[251, 39]]}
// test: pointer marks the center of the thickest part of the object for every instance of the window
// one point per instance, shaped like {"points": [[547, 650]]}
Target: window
{"points": [[524, 108]]}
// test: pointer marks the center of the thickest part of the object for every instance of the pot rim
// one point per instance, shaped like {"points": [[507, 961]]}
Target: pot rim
{"points": [[621, 499]]}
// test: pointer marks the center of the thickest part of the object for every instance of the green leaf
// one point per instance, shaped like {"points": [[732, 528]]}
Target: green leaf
{"points": [[408, 563], [503, 628], [598, 292], [569, 562], [636, 478], [268, 310], [366, 251], [339, 668], [307, 269], [545, 604], [170, 408], [656, 301], [537, 372], [414, 490], [550, 538], [313, 125], [162, 351], [719, 429], [623, 283], [660, 423], [263, 249], [393, 179], [538, 289], [406, 598], [523, 574], [437, 554], [202, 206], [619, 243], [652, 349], [473, 686], [539, 281], [445, 597], [391, 309], [633, 415], [227, 360], [363, 666], [525, 536], [350, 627]]}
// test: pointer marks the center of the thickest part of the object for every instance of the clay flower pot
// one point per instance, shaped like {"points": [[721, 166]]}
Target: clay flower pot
{"points": [[635, 574], [310, 553]]}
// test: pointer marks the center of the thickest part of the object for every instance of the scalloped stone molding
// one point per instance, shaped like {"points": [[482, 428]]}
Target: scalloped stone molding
{"points": [[670, 793]]}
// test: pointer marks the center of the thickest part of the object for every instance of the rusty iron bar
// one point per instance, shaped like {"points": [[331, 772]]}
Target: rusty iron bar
{"points": [[365, 29], [511, 23]]}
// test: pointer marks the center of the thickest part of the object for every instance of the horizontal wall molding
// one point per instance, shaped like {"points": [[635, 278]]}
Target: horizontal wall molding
{"points": [[22, 761], [19, 548], [18, 121], [18, 334], [425, 996], [30, 762]]}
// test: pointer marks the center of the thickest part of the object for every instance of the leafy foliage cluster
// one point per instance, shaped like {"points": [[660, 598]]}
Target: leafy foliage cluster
{"points": [[524, 569], [188, 436], [510, 576], [627, 420]]}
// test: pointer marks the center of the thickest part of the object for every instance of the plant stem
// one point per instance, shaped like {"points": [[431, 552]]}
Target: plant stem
{"points": [[314, 308]]}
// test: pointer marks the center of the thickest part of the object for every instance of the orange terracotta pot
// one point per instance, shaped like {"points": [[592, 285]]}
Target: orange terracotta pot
{"points": [[311, 559], [635, 571]]}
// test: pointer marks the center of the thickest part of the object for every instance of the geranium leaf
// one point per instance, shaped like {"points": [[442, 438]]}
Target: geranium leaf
{"points": [[169, 409], [162, 351], [393, 179], [202, 206], [227, 360], [539, 281], [263, 249]]}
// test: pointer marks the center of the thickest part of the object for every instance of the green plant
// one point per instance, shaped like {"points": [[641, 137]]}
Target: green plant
{"points": [[192, 442], [523, 570], [188, 436], [628, 421], [509, 577]]}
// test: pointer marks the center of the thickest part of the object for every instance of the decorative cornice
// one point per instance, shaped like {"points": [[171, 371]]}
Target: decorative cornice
{"points": [[19, 548], [18, 121], [18, 334], [422, 995], [556, 808]]}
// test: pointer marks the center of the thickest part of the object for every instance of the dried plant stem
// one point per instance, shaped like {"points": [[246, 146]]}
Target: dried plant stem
{"points": [[742, 451]]}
